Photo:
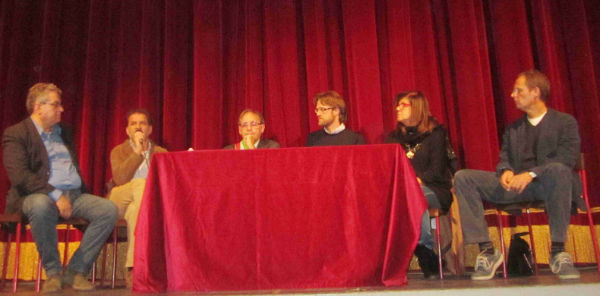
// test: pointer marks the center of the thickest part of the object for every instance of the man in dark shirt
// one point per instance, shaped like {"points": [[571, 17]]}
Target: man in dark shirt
{"points": [[331, 112], [539, 152], [41, 163]]}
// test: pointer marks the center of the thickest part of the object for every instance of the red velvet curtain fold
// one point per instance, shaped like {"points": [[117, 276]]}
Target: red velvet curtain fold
{"points": [[195, 64]]}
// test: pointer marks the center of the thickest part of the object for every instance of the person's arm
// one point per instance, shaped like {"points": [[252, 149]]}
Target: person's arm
{"points": [[158, 149], [516, 183], [15, 159], [567, 153], [64, 207], [438, 157], [273, 144], [360, 139], [391, 139], [569, 144], [248, 141], [124, 164], [310, 141], [504, 162], [506, 178]]}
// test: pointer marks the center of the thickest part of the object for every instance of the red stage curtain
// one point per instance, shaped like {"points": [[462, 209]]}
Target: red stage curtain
{"points": [[195, 64]]}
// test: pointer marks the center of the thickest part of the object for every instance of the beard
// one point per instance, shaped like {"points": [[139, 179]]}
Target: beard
{"points": [[323, 122]]}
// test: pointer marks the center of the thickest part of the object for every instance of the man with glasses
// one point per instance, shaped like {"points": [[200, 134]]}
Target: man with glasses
{"points": [[331, 113], [40, 160], [538, 154], [251, 125]]}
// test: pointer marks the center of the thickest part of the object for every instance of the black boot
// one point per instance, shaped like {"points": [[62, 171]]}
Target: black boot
{"points": [[428, 262], [434, 265]]}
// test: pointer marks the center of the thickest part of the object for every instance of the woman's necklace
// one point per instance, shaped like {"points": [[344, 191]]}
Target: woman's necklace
{"points": [[410, 151]]}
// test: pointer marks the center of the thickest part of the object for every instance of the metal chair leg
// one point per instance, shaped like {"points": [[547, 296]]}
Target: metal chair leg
{"points": [[38, 278], [114, 269], [533, 255], [5, 265], [17, 256], [502, 247], [94, 273], [102, 272], [66, 254], [583, 176], [438, 238]]}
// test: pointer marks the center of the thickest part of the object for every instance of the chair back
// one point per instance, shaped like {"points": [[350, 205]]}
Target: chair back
{"points": [[8, 222]]}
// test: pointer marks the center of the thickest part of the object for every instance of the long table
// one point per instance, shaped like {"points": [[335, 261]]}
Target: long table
{"points": [[290, 218]]}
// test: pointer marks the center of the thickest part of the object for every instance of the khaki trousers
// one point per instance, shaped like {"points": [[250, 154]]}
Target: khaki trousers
{"points": [[128, 198]]}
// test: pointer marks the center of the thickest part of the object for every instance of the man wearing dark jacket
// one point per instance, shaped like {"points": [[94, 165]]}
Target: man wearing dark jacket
{"points": [[41, 163], [539, 152]]}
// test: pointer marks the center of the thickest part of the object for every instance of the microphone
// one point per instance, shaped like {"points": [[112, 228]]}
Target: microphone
{"points": [[141, 140]]}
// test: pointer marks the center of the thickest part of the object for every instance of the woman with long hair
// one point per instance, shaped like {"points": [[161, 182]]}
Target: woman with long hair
{"points": [[424, 141]]}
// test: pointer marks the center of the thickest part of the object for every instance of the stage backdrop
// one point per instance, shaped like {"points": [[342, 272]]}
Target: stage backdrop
{"points": [[195, 64]]}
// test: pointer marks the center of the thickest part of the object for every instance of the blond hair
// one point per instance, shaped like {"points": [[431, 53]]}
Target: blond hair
{"points": [[332, 99]]}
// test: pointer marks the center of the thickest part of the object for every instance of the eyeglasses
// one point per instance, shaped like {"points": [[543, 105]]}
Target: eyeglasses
{"points": [[250, 124], [56, 104], [322, 109], [402, 105]]}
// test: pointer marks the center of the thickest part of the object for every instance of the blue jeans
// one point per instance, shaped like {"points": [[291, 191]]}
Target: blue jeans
{"points": [[426, 238], [43, 215]]}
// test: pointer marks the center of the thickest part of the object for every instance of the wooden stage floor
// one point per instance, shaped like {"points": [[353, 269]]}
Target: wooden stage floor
{"points": [[544, 284]]}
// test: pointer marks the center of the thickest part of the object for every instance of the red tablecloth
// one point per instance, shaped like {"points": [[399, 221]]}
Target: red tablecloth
{"points": [[290, 218]]}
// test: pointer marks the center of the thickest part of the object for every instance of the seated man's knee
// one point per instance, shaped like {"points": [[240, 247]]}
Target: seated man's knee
{"points": [[107, 210], [111, 210], [39, 204]]}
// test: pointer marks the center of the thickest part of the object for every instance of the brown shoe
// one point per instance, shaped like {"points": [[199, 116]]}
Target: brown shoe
{"points": [[52, 284], [77, 281], [129, 278], [81, 283]]}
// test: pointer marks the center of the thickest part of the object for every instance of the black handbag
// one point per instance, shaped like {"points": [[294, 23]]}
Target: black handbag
{"points": [[520, 260]]}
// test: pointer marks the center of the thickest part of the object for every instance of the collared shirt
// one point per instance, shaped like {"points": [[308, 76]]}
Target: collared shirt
{"points": [[63, 174], [142, 170], [337, 130]]}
